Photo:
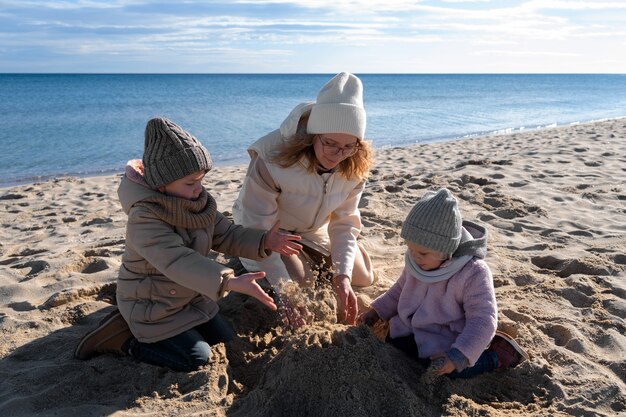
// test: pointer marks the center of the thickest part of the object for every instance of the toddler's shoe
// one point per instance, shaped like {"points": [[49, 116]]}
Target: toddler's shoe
{"points": [[510, 354], [109, 337]]}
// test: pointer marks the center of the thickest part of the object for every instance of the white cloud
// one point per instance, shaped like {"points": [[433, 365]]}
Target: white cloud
{"points": [[449, 32]]}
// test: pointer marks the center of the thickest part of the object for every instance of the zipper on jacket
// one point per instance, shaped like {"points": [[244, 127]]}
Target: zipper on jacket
{"points": [[324, 190]]}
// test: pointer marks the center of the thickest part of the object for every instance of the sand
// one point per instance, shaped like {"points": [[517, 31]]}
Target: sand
{"points": [[553, 201]]}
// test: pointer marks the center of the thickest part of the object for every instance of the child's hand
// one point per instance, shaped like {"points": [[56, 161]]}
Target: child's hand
{"points": [[281, 242], [246, 284], [368, 317], [441, 365]]}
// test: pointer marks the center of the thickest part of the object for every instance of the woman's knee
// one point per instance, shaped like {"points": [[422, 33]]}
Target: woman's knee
{"points": [[362, 273]]}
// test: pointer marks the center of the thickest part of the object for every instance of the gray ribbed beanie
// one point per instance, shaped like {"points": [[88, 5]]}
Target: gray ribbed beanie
{"points": [[339, 107], [434, 222], [170, 153]]}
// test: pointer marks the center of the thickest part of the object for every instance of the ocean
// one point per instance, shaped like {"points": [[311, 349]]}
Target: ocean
{"points": [[91, 124]]}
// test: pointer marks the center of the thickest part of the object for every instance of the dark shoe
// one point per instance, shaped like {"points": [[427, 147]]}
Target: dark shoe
{"points": [[109, 337], [510, 354]]}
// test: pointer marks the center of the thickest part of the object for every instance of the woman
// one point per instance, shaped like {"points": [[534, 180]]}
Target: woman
{"points": [[310, 175]]}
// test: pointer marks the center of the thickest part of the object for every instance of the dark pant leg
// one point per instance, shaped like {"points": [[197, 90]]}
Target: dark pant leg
{"points": [[487, 362], [405, 343], [186, 351], [217, 330]]}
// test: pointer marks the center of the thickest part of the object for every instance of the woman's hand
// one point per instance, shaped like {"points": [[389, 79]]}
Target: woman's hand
{"points": [[246, 284], [368, 317], [348, 308], [281, 242]]}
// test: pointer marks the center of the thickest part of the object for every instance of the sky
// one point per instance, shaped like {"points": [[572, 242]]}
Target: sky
{"points": [[313, 36]]}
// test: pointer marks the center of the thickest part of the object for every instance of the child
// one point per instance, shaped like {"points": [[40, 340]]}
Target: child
{"points": [[443, 306], [167, 287]]}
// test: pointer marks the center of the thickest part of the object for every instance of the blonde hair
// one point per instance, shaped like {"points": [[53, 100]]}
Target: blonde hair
{"points": [[300, 145]]}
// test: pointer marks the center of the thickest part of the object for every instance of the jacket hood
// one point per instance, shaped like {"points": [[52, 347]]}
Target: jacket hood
{"points": [[267, 144], [289, 126], [133, 187], [473, 241]]}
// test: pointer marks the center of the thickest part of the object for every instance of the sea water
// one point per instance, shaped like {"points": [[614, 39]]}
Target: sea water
{"points": [[89, 124]]}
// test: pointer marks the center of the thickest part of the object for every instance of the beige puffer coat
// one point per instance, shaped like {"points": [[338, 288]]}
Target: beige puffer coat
{"points": [[322, 208], [166, 284]]}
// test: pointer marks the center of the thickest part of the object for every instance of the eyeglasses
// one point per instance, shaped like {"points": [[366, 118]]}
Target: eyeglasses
{"points": [[332, 150]]}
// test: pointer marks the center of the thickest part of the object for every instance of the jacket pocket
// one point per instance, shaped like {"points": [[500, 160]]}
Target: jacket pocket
{"points": [[158, 298]]}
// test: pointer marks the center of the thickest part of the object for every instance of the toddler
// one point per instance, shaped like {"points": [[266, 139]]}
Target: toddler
{"points": [[443, 306]]}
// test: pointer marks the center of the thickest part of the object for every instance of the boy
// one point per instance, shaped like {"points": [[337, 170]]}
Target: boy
{"points": [[167, 286]]}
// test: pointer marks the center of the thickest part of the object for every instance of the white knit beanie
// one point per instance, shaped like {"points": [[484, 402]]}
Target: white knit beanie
{"points": [[339, 107], [434, 222]]}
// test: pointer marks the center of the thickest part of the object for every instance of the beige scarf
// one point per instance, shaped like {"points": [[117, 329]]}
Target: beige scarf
{"points": [[188, 214]]}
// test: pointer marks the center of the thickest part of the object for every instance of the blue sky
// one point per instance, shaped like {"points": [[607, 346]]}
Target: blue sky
{"points": [[313, 36]]}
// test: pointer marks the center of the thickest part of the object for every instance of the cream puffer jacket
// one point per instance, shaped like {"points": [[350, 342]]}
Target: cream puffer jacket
{"points": [[167, 284], [323, 208]]}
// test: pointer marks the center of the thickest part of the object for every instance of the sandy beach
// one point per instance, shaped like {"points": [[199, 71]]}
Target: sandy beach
{"points": [[553, 201]]}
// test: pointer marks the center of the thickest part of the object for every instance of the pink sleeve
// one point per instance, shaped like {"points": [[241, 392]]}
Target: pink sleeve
{"points": [[387, 304], [481, 312]]}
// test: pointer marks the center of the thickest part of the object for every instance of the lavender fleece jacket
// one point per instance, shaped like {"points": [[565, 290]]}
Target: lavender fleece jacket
{"points": [[459, 312]]}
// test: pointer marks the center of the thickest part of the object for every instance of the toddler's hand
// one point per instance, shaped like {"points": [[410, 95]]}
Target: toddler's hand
{"points": [[368, 317], [440, 365], [281, 242], [246, 284]]}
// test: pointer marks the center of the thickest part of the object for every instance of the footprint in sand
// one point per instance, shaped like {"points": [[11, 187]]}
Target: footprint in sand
{"points": [[562, 336], [619, 259], [11, 196], [88, 196], [470, 179], [583, 233], [97, 220], [36, 267], [593, 163], [577, 298], [510, 213], [537, 247], [102, 252], [566, 267], [95, 265], [22, 306], [111, 243], [616, 307], [104, 292], [523, 279], [394, 188], [30, 252]]}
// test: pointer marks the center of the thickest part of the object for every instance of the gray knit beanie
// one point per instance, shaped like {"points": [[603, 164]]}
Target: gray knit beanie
{"points": [[434, 222], [170, 153]]}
